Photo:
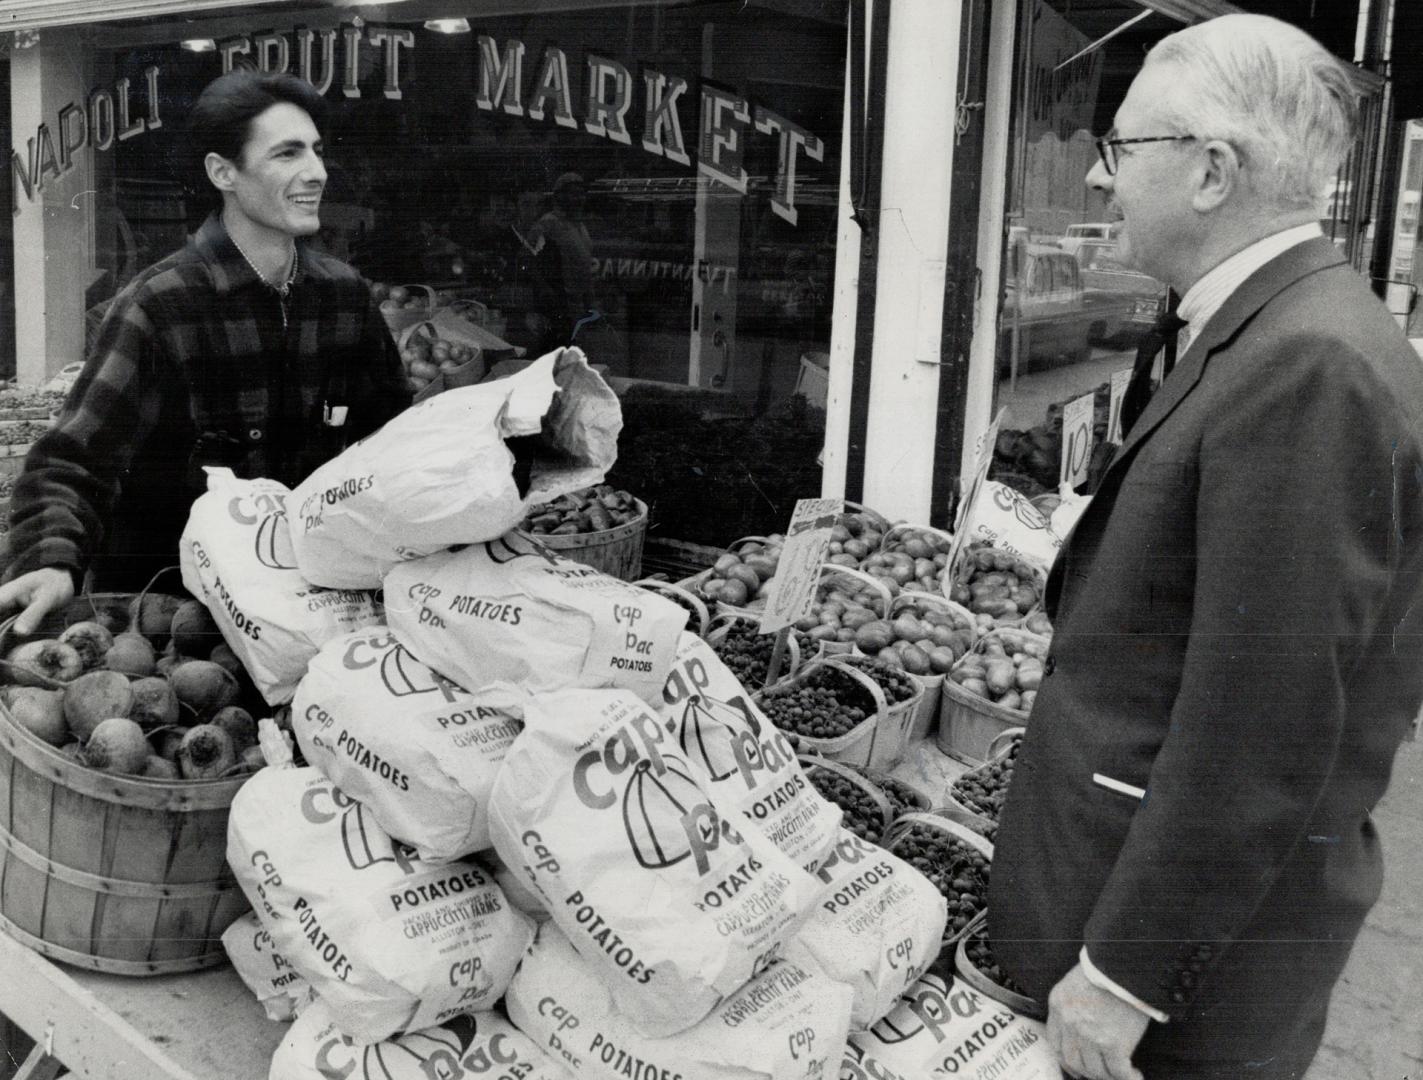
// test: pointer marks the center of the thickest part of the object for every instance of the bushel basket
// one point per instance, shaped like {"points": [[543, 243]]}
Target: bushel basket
{"points": [[949, 829], [970, 724], [616, 551], [892, 737], [112, 873], [983, 982], [856, 746]]}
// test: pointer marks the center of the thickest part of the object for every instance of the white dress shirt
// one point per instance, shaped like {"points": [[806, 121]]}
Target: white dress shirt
{"points": [[1198, 306], [1205, 297]]}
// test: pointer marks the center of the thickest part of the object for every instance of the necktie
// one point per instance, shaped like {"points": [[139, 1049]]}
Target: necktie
{"points": [[1139, 387]]}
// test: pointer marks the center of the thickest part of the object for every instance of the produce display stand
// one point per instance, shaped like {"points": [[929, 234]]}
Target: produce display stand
{"points": [[193, 1026]]}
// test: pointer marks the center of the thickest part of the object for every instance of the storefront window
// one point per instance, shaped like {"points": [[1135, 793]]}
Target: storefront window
{"points": [[1072, 312], [655, 182]]}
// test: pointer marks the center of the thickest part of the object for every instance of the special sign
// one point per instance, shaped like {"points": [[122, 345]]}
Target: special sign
{"points": [[792, 591]]}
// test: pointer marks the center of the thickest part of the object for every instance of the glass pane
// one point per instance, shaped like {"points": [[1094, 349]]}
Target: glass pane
{"points": [[1352, 203], [682, 232], [1072, 311], [7, 247]]}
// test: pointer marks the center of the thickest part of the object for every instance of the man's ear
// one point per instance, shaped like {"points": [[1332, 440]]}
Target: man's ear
{"points": [[1222, 176], [222, 173]]}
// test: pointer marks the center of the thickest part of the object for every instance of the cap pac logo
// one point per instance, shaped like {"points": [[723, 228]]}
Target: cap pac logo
{"points": [[435, 1052], [268, 511], [666, 812], [514, 545], [1007, 498], [403, 675], [274, 543], [710, 730], [367, 844], [668, 818], [929, 1005]]}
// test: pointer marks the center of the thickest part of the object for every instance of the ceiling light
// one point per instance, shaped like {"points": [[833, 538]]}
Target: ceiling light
{"points": [[205, 44], [448, 26]]}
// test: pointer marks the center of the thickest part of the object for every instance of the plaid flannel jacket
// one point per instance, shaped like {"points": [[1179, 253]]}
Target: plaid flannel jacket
{"points": [[195, 365]]}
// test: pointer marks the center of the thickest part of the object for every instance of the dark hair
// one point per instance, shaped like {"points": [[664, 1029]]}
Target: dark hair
{"points": [[221, 120]]}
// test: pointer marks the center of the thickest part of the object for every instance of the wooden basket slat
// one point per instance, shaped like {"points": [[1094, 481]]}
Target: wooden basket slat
{"points": [[112, 967], [122, 924], [200, 853], [230, 905], [77, 825], [25, 894], [31, 810], [178, 928], [66, 912], [7, 802], [184, 860], [136, 843]]}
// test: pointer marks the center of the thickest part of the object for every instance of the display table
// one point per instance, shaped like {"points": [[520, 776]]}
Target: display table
{"points": [[198, 1026]]}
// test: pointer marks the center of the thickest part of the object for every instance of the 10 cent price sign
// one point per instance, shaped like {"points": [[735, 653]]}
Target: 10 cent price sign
{"points": [[1077, 419]]}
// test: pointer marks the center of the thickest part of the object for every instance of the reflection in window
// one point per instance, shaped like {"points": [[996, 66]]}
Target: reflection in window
{"points": [[684, 236], [1072, 311], [1060, 342]]}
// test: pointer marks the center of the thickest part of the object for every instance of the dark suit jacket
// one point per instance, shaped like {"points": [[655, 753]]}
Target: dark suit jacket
{"points": [[1238, 619]]}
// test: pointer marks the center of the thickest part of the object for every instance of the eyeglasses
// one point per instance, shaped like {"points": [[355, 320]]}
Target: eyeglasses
{"points": [[1107, 147]]}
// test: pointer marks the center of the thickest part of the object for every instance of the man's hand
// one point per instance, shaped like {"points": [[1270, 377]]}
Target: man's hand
{"points": [[40, 591], [1092, 1031]]}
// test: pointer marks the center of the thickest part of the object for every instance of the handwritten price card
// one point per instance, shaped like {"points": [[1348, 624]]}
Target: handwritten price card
{"points": [[798, 572]]}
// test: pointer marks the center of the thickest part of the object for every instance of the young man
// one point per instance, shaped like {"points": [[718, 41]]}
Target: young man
{"points": [[1186, 854], [246, 348]]}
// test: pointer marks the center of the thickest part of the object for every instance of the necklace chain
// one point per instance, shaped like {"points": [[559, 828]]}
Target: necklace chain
{"points": [[286, 285]]}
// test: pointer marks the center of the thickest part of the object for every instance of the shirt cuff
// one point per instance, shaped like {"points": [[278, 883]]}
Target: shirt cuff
{"points": [[1097, 979]]}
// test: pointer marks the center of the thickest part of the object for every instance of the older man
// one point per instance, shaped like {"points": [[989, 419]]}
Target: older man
{"points": [[1186, 854]]}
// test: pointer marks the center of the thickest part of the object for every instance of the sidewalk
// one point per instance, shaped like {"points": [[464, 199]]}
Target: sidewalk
{"points": [[1375, 1027]]}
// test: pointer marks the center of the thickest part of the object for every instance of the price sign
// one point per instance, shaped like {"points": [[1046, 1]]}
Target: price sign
{"points": [[798, 571], [1076, 440], [982, 460], [1120, 379]]}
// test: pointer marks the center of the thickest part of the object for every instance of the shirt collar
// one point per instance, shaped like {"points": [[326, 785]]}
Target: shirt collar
{"points": [[230, 270], [1205, 297]]}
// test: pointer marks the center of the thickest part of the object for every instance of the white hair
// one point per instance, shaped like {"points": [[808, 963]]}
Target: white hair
{"points": [[1271, 91]]}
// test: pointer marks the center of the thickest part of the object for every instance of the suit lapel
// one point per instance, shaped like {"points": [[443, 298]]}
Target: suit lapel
{"points": [[1257, 290]]}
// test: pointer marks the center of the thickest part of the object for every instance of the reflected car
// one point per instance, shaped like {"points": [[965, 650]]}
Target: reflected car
{"points": [[1045, 304], [1126, 300], [1075, 236]]}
